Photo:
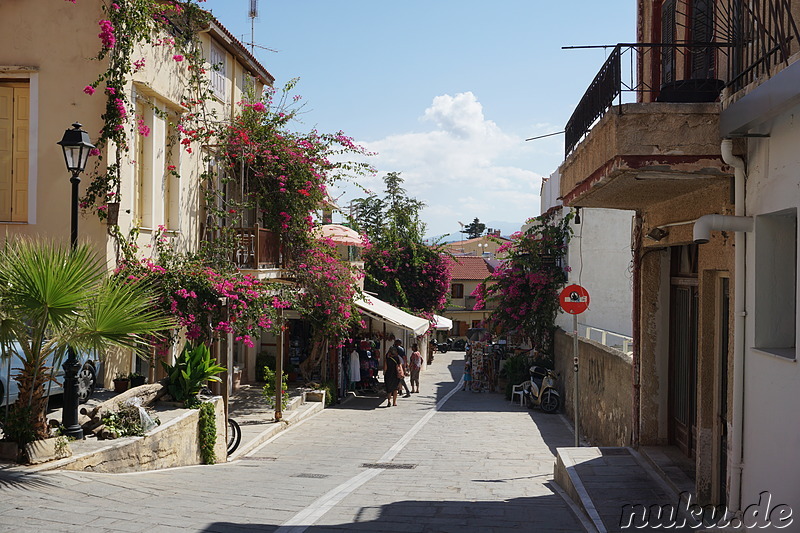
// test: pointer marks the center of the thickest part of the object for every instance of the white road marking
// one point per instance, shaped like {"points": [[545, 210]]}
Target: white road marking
{"points": [[308, 516]]}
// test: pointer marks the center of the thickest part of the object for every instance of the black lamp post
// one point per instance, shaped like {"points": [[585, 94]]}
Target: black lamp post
{"points": [[76, 146]]}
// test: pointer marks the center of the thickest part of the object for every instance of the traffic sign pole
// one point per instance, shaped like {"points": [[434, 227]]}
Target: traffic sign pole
{"points": [[574, 299], [575, 389]]}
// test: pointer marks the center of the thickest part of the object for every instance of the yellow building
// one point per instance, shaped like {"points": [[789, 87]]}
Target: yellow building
{"points": [[45, 69]]}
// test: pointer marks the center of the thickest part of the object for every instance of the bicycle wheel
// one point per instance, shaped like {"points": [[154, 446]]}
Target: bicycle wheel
{"points": [[234, 435]]}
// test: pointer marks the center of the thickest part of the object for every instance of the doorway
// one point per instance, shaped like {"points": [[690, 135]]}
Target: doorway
{"points": [[683, 348]]}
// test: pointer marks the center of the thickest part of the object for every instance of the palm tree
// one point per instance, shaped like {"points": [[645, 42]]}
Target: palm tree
{"points": [[52, 297]]}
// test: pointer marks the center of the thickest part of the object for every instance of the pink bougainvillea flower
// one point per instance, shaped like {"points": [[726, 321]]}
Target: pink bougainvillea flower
{"points": [[88, 90], [178, 58], [107, 34]]}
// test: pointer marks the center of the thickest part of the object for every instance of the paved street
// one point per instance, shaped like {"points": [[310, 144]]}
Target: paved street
{"points": [[477, 463]]}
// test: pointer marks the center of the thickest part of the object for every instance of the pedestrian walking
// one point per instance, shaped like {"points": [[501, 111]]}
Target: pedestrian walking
{"points": [[392, 367], [415, 363], [467, 375], [401, 353]]}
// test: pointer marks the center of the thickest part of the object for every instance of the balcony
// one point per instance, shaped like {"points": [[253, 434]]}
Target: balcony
{"points": [[664, 145], [253, 249]]}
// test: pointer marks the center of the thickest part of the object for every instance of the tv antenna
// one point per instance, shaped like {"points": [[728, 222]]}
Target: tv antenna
{"points": [[253, 14]]}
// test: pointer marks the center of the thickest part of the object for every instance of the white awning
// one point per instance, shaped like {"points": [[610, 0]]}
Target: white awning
{"points": [[388, 313], [442, 323]]}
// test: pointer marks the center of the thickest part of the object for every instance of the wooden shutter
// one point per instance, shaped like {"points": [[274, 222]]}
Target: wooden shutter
{"points": [[19, 199], [6, 150]]}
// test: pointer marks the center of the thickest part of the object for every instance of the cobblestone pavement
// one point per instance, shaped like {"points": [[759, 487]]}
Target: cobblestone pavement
{"points": [[443, 460]]}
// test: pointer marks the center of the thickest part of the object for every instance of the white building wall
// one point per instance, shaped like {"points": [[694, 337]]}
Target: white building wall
{"points": [[771, 444], [599, 255]]}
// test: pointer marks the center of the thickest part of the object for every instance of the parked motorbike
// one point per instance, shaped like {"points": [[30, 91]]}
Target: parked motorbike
{"points": [[445, 345], [540, 390]]}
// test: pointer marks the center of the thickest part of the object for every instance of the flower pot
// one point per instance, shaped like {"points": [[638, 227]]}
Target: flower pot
{"points": [[137, 381], [121, 385]]}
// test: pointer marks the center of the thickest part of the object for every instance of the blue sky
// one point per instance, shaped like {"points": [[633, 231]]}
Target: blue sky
{"points": [[445, 91]]}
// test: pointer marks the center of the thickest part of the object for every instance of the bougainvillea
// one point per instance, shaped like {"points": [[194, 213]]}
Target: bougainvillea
{"points": [[285, 173], [207, 302], [526, 285]]}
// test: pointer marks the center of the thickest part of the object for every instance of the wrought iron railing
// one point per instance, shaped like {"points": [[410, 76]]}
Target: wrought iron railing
{"points": [[764, 34], [621, 73], [250, 248]]}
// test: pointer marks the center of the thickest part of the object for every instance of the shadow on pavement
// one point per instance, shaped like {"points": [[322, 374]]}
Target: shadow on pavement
{"points": [[542, 514]]}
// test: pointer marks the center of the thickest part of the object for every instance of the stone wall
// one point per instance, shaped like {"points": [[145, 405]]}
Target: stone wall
{"points": [[604, 391], [173, 443]]}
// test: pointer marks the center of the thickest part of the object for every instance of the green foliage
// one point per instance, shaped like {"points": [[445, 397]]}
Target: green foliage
{"points": [[207, 429], [400, 267], [52, 297], [264, 360], [475, 229], [527, 284], [269, 388], [191, 371], [17, 426], [126, 421], [515, 370]]}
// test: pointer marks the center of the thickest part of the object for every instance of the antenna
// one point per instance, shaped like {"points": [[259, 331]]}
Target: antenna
{"points": [[253, 14]]}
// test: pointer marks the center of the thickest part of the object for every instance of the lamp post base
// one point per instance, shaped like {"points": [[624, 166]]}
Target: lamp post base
{"points": [[69, 417]]}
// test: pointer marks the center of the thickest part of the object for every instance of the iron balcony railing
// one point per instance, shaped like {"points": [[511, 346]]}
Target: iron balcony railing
{"points": [[764, 34], [750, 38], [621, 74], [250, 248]]}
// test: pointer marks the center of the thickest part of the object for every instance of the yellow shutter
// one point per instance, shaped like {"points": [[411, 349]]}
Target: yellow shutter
{"points": [[6, 150], [19, 187]]}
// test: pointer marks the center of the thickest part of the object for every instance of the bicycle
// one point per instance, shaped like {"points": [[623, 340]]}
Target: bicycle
{"points": [[234, 435]]}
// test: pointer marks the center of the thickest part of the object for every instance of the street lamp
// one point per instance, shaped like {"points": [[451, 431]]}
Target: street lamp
{"points": [[76, 146]]}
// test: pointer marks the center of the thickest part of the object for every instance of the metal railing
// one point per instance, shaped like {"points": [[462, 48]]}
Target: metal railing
{"points": [[621, 73], [764, 34], [608, 338], [258, 248]]}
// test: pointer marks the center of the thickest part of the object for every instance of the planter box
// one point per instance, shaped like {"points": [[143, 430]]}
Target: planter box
{"points": [[41, 451], [314, 396]]}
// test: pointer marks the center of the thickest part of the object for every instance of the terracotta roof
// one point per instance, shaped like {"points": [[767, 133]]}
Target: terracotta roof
{"points": [[469, 267], [478, 239]]}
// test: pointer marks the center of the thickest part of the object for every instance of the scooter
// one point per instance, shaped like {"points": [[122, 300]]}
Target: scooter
{"points": [[540, 390], [444, 346]]}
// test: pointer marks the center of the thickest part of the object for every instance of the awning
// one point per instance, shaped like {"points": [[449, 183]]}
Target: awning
{"points": [[339, 234], [388, 313], [442, 323]]}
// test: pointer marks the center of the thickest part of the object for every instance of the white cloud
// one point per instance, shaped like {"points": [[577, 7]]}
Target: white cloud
{"points": [[461, 168]]}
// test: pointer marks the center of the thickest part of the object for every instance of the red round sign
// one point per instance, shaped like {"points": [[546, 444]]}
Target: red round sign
{"points": [[574, 299]]}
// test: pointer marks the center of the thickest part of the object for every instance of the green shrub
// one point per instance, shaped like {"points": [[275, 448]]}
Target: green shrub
{"points": [[515, 370], [207, 426], [191, 371], [269, 388], [264, 359]]}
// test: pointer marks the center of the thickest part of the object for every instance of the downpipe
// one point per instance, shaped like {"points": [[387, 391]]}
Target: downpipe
{"points": [[740, 224]]}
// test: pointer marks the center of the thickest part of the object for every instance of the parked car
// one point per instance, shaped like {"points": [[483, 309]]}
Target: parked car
{"points": [[11, 365]]}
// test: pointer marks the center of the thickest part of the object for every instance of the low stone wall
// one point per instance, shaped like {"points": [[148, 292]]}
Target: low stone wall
{"points": [[173, 443], [604, 389]]}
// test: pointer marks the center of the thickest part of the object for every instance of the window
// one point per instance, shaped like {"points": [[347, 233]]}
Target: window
{"points": [[172, 190], [776, 282], [248, 87], [457, 290], [144, 167], [14, 138], [217, 58]]}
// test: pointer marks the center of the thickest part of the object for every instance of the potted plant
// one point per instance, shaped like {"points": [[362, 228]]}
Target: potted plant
{"points": [[121, 382], [291, 372], [137, 379]]}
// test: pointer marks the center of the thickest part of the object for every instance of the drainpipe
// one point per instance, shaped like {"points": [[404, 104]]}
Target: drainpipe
{"points": [[636, 328], [740, 224]]}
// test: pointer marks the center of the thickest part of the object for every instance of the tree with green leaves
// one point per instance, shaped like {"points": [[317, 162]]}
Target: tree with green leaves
{"points": [[52, 297], [400, 267], [475, 229]]}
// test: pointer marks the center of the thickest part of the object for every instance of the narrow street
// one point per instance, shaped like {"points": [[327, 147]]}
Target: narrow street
{"points": [[477, 463]]}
